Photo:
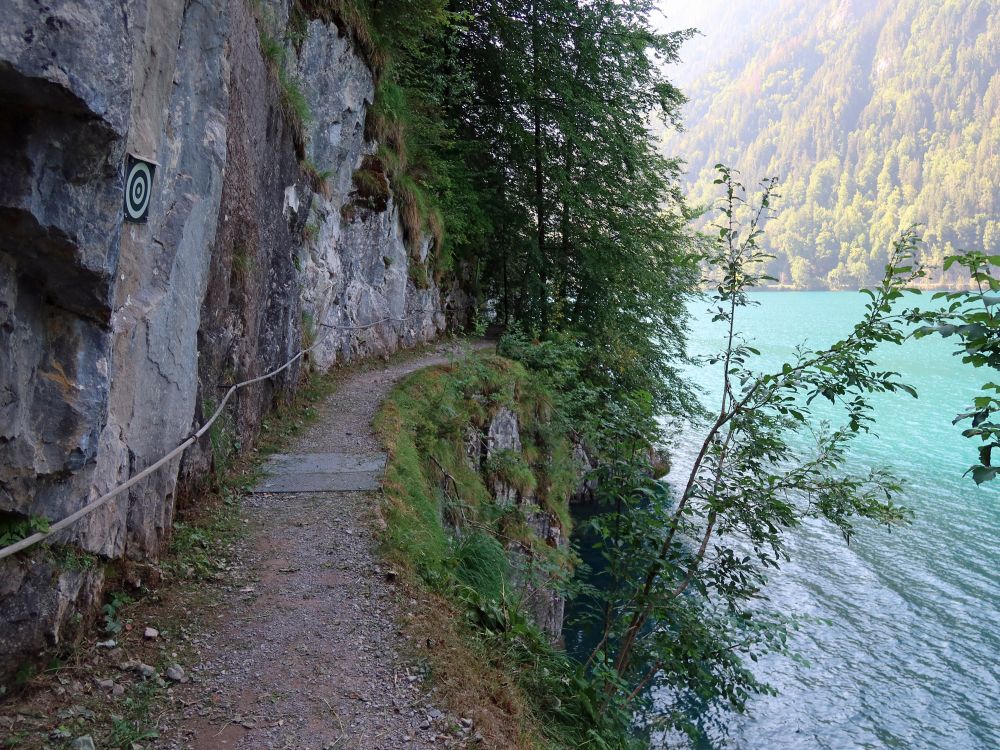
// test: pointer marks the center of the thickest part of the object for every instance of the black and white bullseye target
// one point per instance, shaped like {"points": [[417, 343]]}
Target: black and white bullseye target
{"points": [[138, 188]]}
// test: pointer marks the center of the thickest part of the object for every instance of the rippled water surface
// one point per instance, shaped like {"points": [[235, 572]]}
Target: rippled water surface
{"points": [[908, 654]]}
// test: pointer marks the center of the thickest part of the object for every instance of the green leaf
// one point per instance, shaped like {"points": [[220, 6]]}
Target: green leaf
{"points": [[985, 452], [981, 474]]}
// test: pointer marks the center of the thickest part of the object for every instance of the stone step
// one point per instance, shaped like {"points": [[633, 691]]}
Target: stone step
{"points": [[322, 472]]}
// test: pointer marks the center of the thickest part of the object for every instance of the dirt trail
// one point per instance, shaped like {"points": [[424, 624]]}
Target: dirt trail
{"points": [[305, 653]]}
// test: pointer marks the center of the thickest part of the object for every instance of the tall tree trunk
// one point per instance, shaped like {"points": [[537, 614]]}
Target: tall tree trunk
{"points": [[564, 281], [506, 288], [543, 302]]}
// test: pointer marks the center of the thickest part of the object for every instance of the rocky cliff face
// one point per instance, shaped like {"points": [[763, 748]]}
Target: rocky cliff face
{"points": [[540, 597], [115, 336]]}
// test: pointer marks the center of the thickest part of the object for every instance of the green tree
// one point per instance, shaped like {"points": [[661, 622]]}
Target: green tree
{"points": [[683, 610], [588, 233]]}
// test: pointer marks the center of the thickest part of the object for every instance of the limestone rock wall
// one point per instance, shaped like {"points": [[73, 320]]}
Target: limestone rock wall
{"points": [[540, 598], [116, 337], [363, 303]]}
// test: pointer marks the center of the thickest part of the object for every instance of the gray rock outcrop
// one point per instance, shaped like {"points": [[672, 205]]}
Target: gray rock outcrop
{"points": [[534, 578], [116, 337], [503, 436]]}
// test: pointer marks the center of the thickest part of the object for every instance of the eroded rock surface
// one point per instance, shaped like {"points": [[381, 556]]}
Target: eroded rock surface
{"points": [[116, 337], [536, 582], [503, 436]]}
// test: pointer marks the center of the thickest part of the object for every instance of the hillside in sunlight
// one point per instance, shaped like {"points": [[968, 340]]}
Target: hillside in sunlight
{"points": [[875, 114]]}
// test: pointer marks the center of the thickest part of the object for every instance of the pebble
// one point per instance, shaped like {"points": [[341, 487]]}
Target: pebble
{"points": [[73, 711], [106, 684], [150, 634], [83, 743], [145, 670], [110, 643], [175, 673]]}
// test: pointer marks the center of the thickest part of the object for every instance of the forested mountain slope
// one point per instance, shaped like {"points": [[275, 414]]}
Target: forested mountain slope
{"points": [[875, 114]]}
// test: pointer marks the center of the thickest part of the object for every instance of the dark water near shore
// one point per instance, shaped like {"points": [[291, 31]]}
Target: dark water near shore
{"points": [[907, 647]]}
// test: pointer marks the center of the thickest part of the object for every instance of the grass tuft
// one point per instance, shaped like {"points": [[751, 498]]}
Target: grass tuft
{"points": [[413, 211], [319, 179], [294, 104], [481, 564], [371, 186], [354, 20]]}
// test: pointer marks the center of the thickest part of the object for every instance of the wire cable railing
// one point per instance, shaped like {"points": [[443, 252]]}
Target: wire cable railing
{"points": [[90, 507]]}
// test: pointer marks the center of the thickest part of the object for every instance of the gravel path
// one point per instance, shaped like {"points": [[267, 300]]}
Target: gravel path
{"points": [[306, 651]]}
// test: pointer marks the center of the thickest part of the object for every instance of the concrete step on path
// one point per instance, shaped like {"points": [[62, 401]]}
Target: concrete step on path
{"points": [[322, 472]]}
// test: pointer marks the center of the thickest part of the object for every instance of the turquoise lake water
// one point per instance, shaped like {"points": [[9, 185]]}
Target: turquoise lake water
{"points": [[907, 649]]}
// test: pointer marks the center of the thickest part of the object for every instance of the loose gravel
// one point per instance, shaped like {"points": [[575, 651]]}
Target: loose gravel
{"points": [[305, 650]]}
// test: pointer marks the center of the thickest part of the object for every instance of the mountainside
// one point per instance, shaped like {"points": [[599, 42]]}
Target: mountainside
{"points": [[875, 116]]}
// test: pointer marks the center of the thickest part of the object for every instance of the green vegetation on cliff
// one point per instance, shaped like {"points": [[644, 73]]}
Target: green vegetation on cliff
{"points": [[436, 425], [875, 116], [477, 489]]}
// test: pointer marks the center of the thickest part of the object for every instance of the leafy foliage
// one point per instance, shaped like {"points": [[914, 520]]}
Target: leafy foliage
{"points": [[117, 601], [15, 527], [136, 722], [593, 400], [973, 317]]}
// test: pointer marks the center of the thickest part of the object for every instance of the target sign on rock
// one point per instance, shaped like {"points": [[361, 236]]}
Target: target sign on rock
{"points": [[138, 188]]}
